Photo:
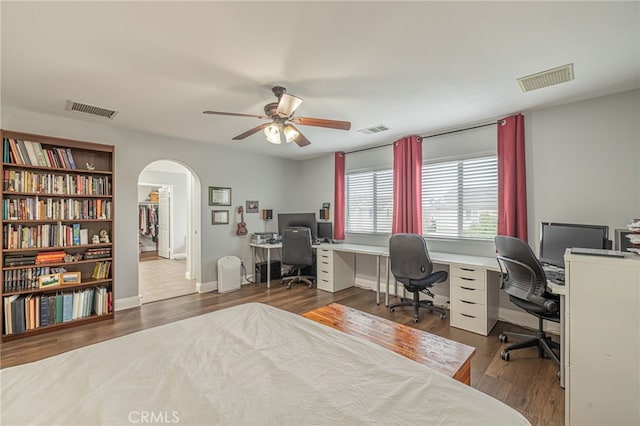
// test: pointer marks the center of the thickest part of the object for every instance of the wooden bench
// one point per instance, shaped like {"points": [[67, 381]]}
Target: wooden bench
{"points": [[448, 357]]}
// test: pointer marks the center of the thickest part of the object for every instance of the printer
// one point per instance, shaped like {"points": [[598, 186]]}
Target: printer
{"points": [[263, 237]]}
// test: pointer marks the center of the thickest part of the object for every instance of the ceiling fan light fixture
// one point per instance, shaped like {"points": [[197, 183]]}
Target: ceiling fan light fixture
{"points": [[287, 105], [290, 133], [272, 133]]}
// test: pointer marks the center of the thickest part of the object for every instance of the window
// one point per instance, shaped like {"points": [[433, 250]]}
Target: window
{"points": [[370, 202], [460, 198]]}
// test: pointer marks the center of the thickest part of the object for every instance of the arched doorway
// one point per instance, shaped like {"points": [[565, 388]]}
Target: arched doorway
{"points": [[168, 221]]}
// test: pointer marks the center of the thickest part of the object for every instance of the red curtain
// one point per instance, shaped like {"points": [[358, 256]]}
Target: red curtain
{"points": [[512, 185], [338, 194], [407, 185]]}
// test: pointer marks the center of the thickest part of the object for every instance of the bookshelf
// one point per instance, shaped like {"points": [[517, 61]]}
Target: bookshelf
{"points": [[58, 233]]}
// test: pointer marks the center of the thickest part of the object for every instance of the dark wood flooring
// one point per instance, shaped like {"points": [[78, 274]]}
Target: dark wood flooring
{"points": [[526, 383]]}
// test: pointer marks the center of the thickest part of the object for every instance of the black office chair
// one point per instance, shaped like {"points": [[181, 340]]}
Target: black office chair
{"points": [[297, 252], [526, 284], [412, 266]]}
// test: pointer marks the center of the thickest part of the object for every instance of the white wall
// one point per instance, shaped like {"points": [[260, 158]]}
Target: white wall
{"points": [[270, 180], [582, 163]]}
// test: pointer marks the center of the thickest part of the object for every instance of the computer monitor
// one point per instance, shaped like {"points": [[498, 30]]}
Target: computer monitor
{"points": [[325, 231], [307, 220], [555, 238]]}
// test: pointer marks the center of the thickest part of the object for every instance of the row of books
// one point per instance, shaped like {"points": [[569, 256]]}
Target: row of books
{"points": [[39, 236], [28, 312], [33, 154], [97, 253], [25, 278], [51, 183], [101, 270], [57, 256], [36, 208]]}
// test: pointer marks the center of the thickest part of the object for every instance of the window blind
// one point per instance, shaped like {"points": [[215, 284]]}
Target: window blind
{"points": [[460, 198], [369, 202]]}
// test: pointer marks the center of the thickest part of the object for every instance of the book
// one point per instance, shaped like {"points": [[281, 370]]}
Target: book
{"points": [[59, 300], [31, 152], [84, 237], [67, 307], [52, 309], [18, 315], [42, 161], [44, 310], [72, 163]]}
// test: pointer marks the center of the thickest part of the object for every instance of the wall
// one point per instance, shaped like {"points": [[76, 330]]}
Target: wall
{"points": [[270, 180]]}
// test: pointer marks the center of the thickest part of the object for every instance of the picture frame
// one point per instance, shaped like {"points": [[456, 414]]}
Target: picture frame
{"points": [[252, 206], [48, 280], [219, 196], [68, 278], [219, 217]]}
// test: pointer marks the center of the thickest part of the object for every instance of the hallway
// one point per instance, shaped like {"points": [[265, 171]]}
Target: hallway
{"points": [[163, 279]]}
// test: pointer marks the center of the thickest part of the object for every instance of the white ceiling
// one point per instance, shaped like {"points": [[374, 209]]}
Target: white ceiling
{"points": [[416, 67]]}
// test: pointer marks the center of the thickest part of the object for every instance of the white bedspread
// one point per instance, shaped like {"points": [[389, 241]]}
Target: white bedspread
{"points": [[246, 365]]}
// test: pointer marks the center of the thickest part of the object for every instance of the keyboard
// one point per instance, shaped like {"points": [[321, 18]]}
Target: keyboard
{"points": [[554, 274]]}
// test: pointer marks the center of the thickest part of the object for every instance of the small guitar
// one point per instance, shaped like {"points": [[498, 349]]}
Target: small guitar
{"points": [[242, 227]]}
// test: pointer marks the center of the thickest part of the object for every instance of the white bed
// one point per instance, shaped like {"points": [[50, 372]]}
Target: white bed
{"points": [[245, 365]]}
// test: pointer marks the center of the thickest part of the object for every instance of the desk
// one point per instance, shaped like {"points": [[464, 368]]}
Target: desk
{"points": [[474, 293], [441, 354], [335, 273]]}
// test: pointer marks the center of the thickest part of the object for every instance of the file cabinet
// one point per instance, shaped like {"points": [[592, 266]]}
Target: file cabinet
{"points": [[473, 304]]}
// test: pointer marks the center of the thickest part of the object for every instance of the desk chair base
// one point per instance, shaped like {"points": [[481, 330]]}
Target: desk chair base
{"points": [[544, 344], [298, 279], [417, 304]]}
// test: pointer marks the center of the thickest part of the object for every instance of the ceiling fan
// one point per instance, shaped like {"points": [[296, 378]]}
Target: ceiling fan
{"points": [[281, 128]]}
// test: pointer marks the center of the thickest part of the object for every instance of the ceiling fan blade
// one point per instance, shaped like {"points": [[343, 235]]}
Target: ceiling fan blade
{"points": [[251, 131], [321, 122], [300, 140], [235, 114], [287, 105]]}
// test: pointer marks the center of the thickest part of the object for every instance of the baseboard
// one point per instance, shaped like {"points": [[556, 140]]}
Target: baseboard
{"points": [[127, 303], [206, 287], [179, 256]]}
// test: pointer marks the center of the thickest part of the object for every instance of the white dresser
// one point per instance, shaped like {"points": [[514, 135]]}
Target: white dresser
{"points": [[602, 340]]}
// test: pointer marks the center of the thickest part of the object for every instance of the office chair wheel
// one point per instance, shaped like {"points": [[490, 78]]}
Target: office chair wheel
{"points": [[392, 309], [558, 374], [505, 355], [415, 320], [310, 285], [443, 316], [503, 338]]}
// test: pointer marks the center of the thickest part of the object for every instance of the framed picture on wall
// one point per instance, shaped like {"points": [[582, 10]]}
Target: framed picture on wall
{"points": [[219, 217], [219, 196], [252, 207]]}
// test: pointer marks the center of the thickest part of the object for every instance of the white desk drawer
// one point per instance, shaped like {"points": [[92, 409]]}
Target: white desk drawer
{"points": [[322, 274], [468, 283], [468, 294], [468, 273], [324, 284], [323, 265], [468, 322], [473, 309]]}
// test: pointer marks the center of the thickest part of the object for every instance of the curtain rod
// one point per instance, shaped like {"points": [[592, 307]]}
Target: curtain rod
{"points": [[427, 137]]}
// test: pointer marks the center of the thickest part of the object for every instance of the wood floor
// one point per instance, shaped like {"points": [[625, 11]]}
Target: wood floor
{"points": [[526, 383]]}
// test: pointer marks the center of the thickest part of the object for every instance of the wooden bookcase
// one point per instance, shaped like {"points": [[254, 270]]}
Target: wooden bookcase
{"points": [[57, 197]]}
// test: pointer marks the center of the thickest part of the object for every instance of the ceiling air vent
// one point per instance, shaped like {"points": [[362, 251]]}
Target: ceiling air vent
{"points": [[90, 109], [546, 78], [375, 129]]}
